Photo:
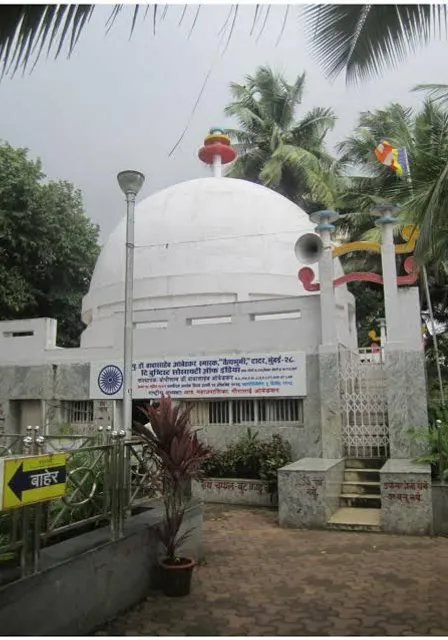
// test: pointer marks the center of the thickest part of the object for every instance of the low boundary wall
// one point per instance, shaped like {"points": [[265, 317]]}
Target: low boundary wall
{"points": [[89, 579], [254, 493], [309, 491]]}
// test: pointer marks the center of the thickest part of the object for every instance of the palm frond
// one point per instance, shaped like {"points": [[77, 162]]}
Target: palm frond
{"points": [[437, 92], [364, 40], [247, 166], [424, 201], [271, 173], [25, 29], [314, 125], [292, 98], [246, 114], [428, 208], [303, 163]]}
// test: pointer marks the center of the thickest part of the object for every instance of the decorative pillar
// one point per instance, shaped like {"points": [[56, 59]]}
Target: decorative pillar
{"points": [[332, 445], [386, 222], [404, 361], [324, 220], [383, 332]]}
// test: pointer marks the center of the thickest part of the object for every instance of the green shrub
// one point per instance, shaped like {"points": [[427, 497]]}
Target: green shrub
{"points": [[436, 411], [250, 458], [276, 453], [59, 514], [436, 440]]}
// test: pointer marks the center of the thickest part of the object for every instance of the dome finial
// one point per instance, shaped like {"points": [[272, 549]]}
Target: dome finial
{"points": [[217, 150]]}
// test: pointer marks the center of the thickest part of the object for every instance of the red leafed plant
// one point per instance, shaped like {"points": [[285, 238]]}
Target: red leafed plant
{"points": [[176, 445]]}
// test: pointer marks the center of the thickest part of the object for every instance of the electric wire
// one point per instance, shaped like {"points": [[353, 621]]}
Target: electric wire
{"points": [[216, 238]]}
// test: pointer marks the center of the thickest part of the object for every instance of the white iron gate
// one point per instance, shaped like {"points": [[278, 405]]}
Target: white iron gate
{"points": [[365, 430]]}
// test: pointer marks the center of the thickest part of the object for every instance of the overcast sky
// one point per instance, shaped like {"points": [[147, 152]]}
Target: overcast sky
{"points": [[120, 104]]}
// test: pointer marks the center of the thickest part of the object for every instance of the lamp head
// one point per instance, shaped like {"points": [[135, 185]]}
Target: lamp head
{"points": [[130, 181]]}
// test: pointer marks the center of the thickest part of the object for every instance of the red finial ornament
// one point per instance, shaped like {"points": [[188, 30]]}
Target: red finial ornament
{"points": [[217, 149]]}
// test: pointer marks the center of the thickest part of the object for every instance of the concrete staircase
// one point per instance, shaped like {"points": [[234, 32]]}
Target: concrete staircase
{"points": [[360, 500]]}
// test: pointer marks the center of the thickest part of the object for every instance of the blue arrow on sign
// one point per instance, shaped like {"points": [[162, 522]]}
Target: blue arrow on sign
{"points": [[35, 479]]}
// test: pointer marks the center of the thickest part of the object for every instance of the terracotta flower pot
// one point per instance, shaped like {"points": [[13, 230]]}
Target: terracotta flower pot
{"points": [[176, 577]]}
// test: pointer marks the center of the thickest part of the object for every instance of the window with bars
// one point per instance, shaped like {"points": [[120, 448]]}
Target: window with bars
{"points": [[248, 411], [79, 412]]}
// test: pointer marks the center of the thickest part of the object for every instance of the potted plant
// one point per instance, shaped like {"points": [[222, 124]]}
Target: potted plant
{"points": [[174, 443]]}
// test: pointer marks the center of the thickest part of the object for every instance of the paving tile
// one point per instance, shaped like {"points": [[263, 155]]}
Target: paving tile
{"points": [[261, 580]]}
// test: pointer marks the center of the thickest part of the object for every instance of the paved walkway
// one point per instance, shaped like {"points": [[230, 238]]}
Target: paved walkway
{"points": [[258, 579]]}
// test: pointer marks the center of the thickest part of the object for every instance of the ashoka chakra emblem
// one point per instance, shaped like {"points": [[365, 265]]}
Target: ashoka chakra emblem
{"points": [[110, 380]]}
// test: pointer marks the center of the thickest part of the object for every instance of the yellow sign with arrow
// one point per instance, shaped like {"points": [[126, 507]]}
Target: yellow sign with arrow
{"points": [[30, 479]]}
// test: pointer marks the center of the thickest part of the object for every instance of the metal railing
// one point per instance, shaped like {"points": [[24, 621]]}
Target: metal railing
{"points": [[107, 479], [367, 354], [364, 417]]}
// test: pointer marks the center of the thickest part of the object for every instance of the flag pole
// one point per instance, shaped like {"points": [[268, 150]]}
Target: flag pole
{"points": [[434, 337], [428, 299]]}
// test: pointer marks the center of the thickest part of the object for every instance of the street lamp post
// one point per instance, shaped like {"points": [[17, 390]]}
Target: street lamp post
{"points": [[130, 183]]}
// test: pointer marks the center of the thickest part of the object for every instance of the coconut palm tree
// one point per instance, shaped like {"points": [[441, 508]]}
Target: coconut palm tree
{"points": [[372, 182], [424, 201], [276, 149], [363, 40], [424, 198]]}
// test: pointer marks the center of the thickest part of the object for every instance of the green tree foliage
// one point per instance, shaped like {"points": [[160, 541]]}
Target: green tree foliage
{"points": [[369, 309], [48, 246], [278, 150], [424, 133]]}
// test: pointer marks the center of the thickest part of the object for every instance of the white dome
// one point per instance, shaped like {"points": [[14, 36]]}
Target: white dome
{"points": [[202, 242]]}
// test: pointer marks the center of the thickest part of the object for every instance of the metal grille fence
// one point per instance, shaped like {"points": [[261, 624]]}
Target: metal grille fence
{"points": [[108, 479], [363, 404], [248, 411], [79, 412]]}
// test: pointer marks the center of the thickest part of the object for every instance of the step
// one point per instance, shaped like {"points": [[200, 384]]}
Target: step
{"points": [[361, 475], [364, 463], [348, 519], [361, 488], [367, 452], [365, 501]]}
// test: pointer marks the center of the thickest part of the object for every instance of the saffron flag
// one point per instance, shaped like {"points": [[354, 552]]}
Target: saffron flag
{"points": [[395, 159]]}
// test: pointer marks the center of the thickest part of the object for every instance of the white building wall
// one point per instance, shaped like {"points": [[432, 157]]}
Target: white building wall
{"points": [[26, 338], [257, 326], [410, 317], [32, 368]]}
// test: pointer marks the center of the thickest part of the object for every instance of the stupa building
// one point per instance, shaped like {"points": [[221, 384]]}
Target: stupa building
{"points": [[241, 307], [215, 281]]}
